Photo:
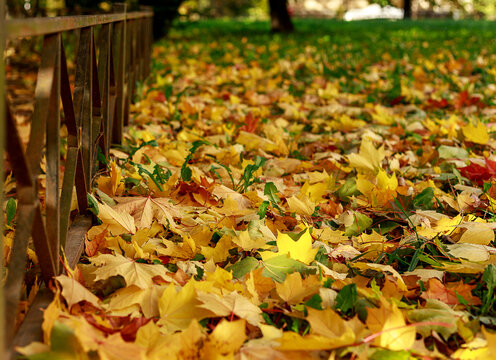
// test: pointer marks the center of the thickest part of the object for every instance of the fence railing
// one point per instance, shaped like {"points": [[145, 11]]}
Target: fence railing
{"points": [[107, 68]]}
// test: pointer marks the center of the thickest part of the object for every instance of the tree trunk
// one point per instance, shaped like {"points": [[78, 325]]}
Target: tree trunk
{"points": [[407, 9], [279, 16]]}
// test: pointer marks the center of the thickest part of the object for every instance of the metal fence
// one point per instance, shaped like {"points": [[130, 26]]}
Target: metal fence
{"points": [[107, 69]]}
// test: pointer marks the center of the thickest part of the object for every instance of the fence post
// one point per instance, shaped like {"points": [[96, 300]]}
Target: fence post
{"points": [[119, 39], [89, 115], [3, 330]]}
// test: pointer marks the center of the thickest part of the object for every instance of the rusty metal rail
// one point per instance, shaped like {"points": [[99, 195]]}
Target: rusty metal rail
{"points": [[107, 68]]}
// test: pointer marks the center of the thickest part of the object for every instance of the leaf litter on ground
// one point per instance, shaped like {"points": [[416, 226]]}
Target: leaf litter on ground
{"points": [[325, 195]]}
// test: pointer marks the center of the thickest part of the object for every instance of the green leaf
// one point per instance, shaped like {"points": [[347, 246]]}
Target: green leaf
{"points": [[101, 157], [424, 199], [186, 173], [452, 152], [346, 298], [315, 302], [243, 267], [278, 267], [11, 209], [385, 227], [185, 170], [360, 224], [384, 354], [167, 90], [348, 189], [489, 277], [262, 209], [64, 345], [435, 311], [105, 198], [271, 191], [92, 204]]}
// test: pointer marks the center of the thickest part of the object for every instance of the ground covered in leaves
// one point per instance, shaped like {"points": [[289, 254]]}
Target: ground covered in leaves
{"points": [[328, 194]]}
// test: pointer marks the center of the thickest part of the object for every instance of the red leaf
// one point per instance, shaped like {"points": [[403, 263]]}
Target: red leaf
{"points": [[476, 172], [160, 97], [491, 166], [98, 244], [397, 100], [464, 99], [438, 104], [250, 123], [129, 331], [437, 290]]}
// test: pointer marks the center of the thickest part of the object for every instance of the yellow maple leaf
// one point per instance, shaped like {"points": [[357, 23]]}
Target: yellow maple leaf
{"points": [[300, 250], [371, 244], [329, 324], [383, 115], [248, 243], [226, 339], [73, 292], [258, 286], [232, 303], [380, 190], [478, 349], [220, 252], [145, 209], [294, 289], [125, 299], [389, 321], [111, 185], [134, 273], [477, 134], [234, 207], [301, 206], [117, 222], [179, 308], [369, 158], [478, 232]]}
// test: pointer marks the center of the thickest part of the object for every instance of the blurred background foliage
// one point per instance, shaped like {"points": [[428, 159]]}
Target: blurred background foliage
{"points": [[256, 9], [167, 11]]}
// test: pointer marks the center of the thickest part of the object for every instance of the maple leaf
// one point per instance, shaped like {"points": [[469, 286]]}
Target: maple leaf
{"points": [[232, 303], [134, 273], [251, 123], [464, 99], [246, 242], [329, 324], [115, 221], [299, 206], [437, 290], [226, 339], [388, 321], [258, 285], [436, 311], [111, 185], [179, 308], [294, 341], [294, 289], [439, 104], [74, 292], [369, 158], [477, 134], [124, 299], [95, 241], [145, 209], [478, 172], [300, 249]]}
